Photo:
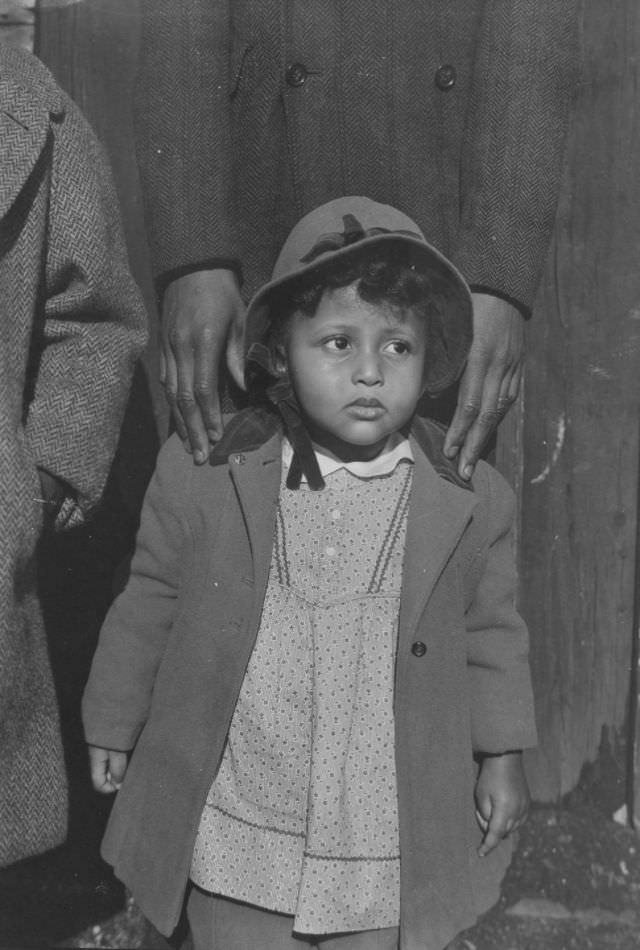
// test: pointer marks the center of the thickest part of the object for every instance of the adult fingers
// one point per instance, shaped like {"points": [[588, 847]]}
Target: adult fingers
{"points": [[467, 408], [486, 419], [509, 389], [235, 351], [486, 389], [185, 349], [169, 379], [206, 361]]}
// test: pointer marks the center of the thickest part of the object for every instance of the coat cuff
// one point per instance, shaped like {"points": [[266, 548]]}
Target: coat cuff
{"points": [[214, 263]]}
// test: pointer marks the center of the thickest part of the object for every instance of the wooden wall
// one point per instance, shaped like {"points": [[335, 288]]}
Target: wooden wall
{"points": [[581, 419], [572, 445]]}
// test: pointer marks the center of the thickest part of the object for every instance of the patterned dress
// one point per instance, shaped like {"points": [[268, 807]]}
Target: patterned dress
{"points": [[302, 815]]}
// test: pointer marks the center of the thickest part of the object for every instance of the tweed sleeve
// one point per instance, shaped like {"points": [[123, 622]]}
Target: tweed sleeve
{"points": [[117, 697], [93, 327], [501, 698], [183, 139], [525, 73]]}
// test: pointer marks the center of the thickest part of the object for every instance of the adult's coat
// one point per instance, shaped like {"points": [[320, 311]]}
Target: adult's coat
{"points": [[252, 112], [72, 326]]}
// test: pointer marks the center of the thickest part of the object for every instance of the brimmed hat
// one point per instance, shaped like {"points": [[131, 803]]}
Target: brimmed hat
{"points": [[342, 228]]}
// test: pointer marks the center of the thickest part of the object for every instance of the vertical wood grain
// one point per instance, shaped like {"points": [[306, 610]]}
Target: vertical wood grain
{"points": [[581, 402]]}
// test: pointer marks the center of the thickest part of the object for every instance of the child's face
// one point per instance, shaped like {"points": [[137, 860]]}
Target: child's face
{"points": [[357, 370]]}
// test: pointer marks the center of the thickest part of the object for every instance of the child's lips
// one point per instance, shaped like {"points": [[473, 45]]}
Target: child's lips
{"points": [[365, 408], [366, 401]]}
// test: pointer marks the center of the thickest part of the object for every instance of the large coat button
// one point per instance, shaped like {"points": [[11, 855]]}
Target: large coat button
{"points": [[419, 648], [445, 77], [296, 74]]}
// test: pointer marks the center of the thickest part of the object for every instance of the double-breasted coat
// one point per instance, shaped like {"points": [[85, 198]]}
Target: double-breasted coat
{"points": [[250, 113], [72, 326], [175, 646]]}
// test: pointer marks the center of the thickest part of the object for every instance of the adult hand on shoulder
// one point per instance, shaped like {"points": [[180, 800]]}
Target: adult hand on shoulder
{"points": [[107, 769], [490, 382], [202, 320]]}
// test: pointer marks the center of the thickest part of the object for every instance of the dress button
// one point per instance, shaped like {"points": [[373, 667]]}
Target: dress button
{"points": [[296, 74], [336, 515], [445, 77], [239, 459], [330, 551], [419, 648]]}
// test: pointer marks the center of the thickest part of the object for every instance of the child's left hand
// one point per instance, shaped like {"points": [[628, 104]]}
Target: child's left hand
{"points": [[502, 798]]}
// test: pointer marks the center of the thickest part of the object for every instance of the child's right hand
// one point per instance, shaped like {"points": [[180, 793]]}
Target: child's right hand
{"points": [[107, 769]]}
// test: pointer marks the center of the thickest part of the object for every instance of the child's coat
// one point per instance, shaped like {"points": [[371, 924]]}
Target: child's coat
{"points": [[175, 646]]}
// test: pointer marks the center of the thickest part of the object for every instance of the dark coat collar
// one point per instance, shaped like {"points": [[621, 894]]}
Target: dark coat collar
{"points": [[251, 428]]}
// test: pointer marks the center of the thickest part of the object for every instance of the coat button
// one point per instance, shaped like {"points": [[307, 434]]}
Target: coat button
{"points": [[419, 648], [239, 459], [445, 77], [296, 74]]}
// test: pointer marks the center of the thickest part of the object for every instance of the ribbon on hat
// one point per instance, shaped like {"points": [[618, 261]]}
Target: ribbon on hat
{"points": [[278, 391], [352, 234]]}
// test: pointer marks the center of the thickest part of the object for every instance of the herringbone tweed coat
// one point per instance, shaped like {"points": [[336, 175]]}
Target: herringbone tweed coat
{"points": [[252, 112], [72, 326]]}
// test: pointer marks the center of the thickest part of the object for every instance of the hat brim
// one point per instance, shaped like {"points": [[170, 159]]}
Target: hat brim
{"points": [[451, 296]]}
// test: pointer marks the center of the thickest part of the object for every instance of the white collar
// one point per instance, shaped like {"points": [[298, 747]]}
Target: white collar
{"points": [[396, 449]]}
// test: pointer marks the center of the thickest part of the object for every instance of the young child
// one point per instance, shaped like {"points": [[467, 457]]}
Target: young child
{"points": [[316, 662]]}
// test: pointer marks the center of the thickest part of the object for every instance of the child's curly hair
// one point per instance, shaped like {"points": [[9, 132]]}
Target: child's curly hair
{"points": [[383, 275]]}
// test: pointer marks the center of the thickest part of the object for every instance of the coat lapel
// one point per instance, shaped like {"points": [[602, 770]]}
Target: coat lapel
{"points": [[256, 477], [438, 514], [24, 127]]}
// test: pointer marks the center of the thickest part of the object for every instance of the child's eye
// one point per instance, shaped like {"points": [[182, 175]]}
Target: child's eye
{"points": [[339, 343], [399, 347]]}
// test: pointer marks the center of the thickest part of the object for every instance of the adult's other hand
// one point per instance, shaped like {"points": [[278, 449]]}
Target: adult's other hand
{"points": [[490, 382], [202, 321]]}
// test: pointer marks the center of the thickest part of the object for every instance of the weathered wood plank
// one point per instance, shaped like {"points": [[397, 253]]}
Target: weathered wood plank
{"points": [[580, 484]]}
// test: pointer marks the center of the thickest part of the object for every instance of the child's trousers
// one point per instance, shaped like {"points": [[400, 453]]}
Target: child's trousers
{"points": [[217, 923]]}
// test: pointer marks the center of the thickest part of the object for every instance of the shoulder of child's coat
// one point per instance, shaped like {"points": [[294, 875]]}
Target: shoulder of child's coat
{"points": [[175, 463], [489, 485]]}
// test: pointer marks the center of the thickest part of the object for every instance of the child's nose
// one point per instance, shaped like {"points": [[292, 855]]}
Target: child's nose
{"points": [[368, 369]]}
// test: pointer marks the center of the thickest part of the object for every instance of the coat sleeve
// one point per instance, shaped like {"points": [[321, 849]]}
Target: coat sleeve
{"points": [[501, 699], [117, 697], [93, 323], [183, 135], [525, 73]]}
